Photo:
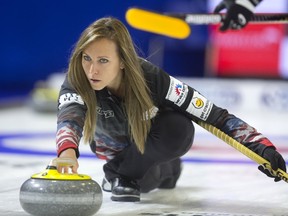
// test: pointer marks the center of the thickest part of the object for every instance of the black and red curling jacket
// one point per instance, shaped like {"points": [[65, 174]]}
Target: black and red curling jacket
{"points": [[111, 135]]}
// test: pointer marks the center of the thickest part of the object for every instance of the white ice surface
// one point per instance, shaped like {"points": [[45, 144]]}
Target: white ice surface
{"points": [[204, 189]]}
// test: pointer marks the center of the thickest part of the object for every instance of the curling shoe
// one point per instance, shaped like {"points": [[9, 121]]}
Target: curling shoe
{"points": [[123, 190]]}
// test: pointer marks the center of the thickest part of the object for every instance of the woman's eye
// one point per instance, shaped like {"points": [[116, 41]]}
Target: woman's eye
{"points": [[102, 60], [86, 58]]}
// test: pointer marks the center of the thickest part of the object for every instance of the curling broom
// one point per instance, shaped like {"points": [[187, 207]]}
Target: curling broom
{"points": [[244, 150], [178, 25]]}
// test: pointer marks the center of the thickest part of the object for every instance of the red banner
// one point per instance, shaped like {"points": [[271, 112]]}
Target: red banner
{"points": [[251, 52]]}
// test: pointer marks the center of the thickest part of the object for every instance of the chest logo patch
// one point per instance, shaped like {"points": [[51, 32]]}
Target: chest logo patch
{"points": [[105, 113]]}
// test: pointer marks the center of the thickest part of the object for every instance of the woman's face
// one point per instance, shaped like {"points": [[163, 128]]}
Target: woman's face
{"points": [[102, 65]]}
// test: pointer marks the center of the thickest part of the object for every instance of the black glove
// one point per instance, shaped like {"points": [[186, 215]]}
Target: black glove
{"points": [[239, 13], [276, 161]]}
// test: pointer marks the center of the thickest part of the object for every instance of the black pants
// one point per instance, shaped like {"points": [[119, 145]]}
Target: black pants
{"points": [[170, 137]]}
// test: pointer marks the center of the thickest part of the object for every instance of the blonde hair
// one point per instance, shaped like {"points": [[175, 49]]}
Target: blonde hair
{"points": [[137, 96]]}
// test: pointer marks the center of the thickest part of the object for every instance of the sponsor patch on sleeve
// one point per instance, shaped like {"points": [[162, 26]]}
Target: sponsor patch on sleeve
{"points": [[177, 92], [199, 106], [69, 98]]}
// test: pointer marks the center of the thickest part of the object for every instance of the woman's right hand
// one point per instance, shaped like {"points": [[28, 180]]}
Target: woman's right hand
{"points": [[71, 154]]}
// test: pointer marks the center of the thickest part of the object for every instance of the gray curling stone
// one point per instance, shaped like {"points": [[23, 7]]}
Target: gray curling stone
{"points": [[51, 193]]}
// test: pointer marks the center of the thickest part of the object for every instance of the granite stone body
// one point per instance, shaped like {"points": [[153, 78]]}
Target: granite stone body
{"points": [[47, 197]]}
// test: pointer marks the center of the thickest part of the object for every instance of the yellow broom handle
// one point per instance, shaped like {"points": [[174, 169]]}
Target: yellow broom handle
{"points": [[244, 150]]}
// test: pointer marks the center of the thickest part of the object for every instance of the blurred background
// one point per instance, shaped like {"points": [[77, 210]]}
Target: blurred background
{"points": [[37, 38], [244, 71]]}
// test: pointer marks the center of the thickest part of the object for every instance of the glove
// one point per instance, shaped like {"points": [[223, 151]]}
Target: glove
{"points": [[276, 161], [239, 13]]}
